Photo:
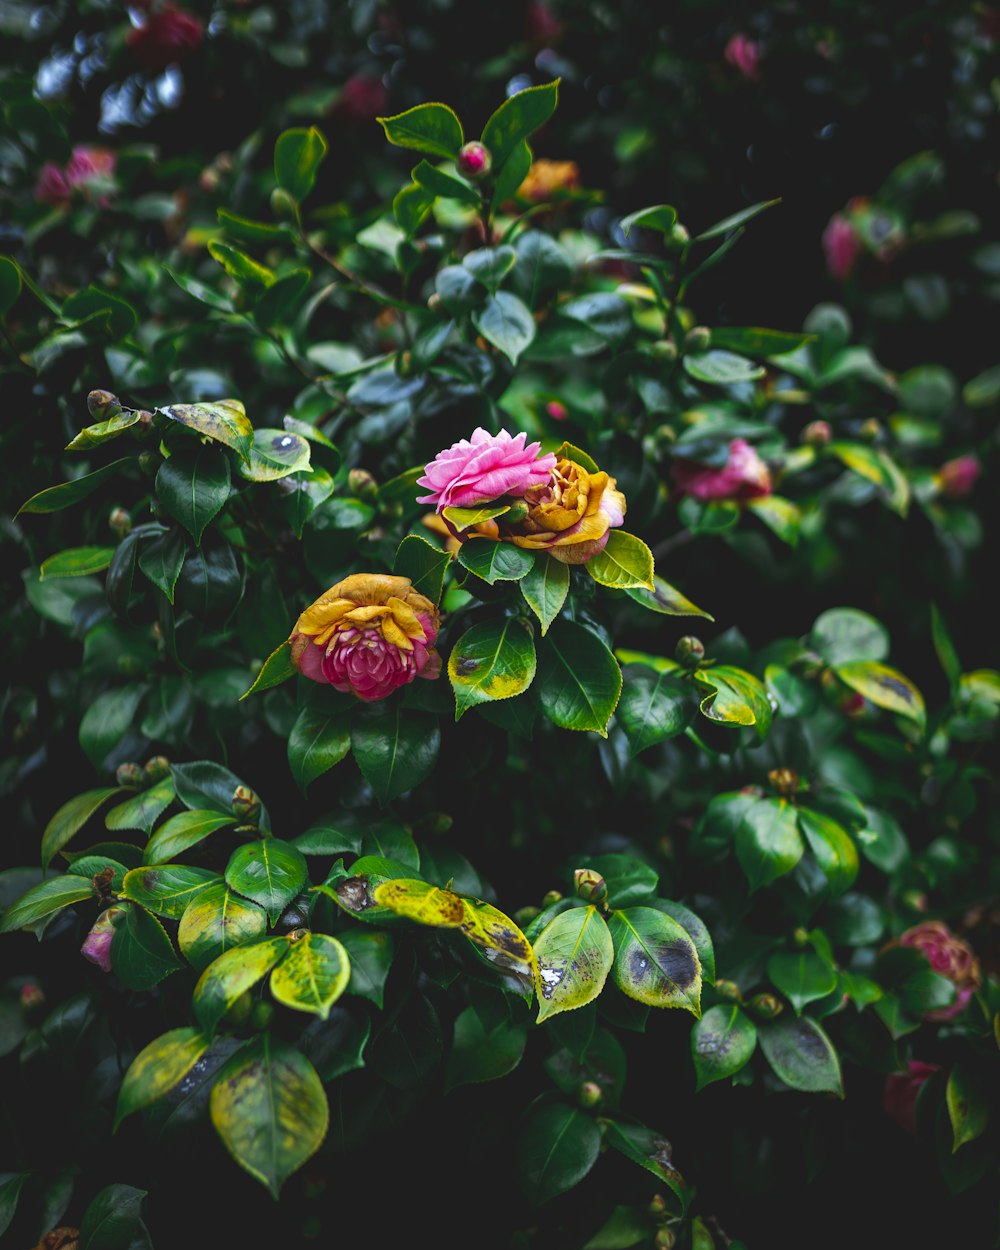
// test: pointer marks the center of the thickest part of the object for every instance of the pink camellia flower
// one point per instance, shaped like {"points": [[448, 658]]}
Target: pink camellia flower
{"points": [[367, 635], [52, 187], [364, 96], [166, 36], [899, 1098], [745, 54], [86, 165], [481, 469], [951, 957], [841, 246], [97, 944], [959, 476], [743, 476]]}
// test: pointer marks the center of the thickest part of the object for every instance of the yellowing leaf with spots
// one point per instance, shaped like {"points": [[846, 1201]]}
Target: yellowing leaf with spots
{"points": [[499, 939], [574, 954], [225, 421], [269, 1107], [655, 960], [419, 901], [313, 975], [158, 1068], [885, 687], [493, 660]]}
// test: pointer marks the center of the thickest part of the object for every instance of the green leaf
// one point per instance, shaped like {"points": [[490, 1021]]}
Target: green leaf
{"points": [[495, 561], [89, 865], [844, 634], [224, 421], [252, 231], [180, 833], [410, 207], [801, 1055], [606, 314], [722, 368], [879, 468], [566, 451], [270, 1109], [650, 1151], [11, 1183], [738, 698], [509, 179], [885, 687], [579, 680], [113, 1219], [313, 975], [141, 953], [625, 563], [202, 293], [107, 720], [492, 660], [486, 1044], [370, 953], [802, 976], [268, 872], [203, 785], [318, 741], [103, 431], [194, 491], [282, 302], [518, 117], [490, 265], [833, 847], [120, 317], [444, 185], [665, 599], [70, 819], [782, 517], [559, 1144], [10, 289], [968, 1107], [655, 960], [661, 217], [241, 268], [507, 323], [543, 266], [55, 498], [736, 220], [395, 749], [575, 954], [215, 921], [162, 560], [653, 707], [297, 156], [756, 341], [768, 842], [157, 1068], [944, 647], [468, 518], [545, 587], [432, 128], [44, 900], [274, 455], [423, 563], [231, 975], [166, 888], [722, 1043], [77, 562], [278, 667]]}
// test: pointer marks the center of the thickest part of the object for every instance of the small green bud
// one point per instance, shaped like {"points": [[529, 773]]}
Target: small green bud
{"points": [[553, 896], [698, 339], [32, 997], [525, 915], [156, 769], [119, 522], [663, 349], [439, 822], [283, 205], [590, 885], [246, 805], [518, 511], [680, 236], [870, 430], [590, 1095], [474, 161], [129, 775], [729, 991], [361, 484], [435, 302], [784, 781], [817, 434], [690, 651], [766, 1006], [665, 1238], [262, 1015], [657, 1208], [801, 937], [102, 405]]}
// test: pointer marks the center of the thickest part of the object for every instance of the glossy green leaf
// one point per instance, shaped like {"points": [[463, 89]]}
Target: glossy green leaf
{"points": [[142, 810], [876, 467], [180, 833], [735, 221], [243, 269], [113, 1219], [844, 634], [885, 687], [492, 660], [490, 265], [423, 563], [579, 680], [107, 720], [768, 842], [194, 490], [559, 1144], [275, 454], [11, 1183], [545, 587], [103, 431], [606, 314], [649, 1150], [10, 289], [55, 498], [666, 599], [204, 785], [625, 563], [801, 1054], [270, 1109], [655, 960], [162, 560], [661, 217], [802, 976], [142, 954], [77, 562], [495, 561], [224, 421], [203, 294], [543, 266], [313, 974], [653, 707], [445, 185], [158, 1067], [297, 156], [467, 518], [757, 341], [215, 921], [486, 1044], [432, 128], [721, 368], [968, 1106], [737, 698], [278, 667], [411, 206], [318, 741], [782, 517], [833, 847], [307, 491], [70, 819], [370, 952], [230, 975], [44, 900], [267, 872], [575, 954], [506, 322], [395, 749], [517, 118], [513, 174], [722, 1042], [167, 888], [97, 863]]}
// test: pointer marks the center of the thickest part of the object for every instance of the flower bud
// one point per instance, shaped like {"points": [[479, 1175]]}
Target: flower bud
{"points": [[435, 303], [679, 235], [729, 991], [766, 1006], [590, 1095], [156, 769], [800, 937], [915, 900], [784, 781], [474, 161], [518, 511], [262, 1015], [698, 339], [97, 944], [552, 896], [361, 484], [149, 462], [870, 430], [556, 410], [246, 805], [590, 885], [657, 1208], [524, 915], [439, 822], [102, 405], [32, 997], [282, 205], [690, 651], [663, 349], [119, 522], [957, 477], [817, 434], [665, 1238], [145, 424], [129, 775]]}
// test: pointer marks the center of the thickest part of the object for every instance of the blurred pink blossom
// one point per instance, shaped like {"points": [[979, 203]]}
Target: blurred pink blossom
{"points": [[899, 1098], [841, 246], [743, 476], [745, 54]]}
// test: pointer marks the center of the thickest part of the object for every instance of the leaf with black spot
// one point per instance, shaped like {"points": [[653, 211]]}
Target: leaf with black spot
{"points": [[655, 960]]}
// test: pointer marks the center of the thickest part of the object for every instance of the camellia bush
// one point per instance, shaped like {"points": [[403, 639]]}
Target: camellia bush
{"points": [[424, 837]]}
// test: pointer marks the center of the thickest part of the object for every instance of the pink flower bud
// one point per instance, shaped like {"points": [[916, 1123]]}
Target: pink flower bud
{"points": [[474, 161], [52, 187], [745, 54], [743, 476], [483, 468], [959, 476], [899, 1099], [950, 956], [97, 944], [364, 97], [817, 434], [841, 246], [556, 410]]}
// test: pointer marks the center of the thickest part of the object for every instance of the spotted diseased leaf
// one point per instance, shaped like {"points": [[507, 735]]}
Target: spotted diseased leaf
{"points": [[419, 901], [768, 842], [166, 888], [722, 1042], [574, 954], [885, 687], [231, 975], [545, 587], [158, 1067], [269, 872], [224, 421], [626, 563], [655, 960], [274, 454], [313, 974], [215, 921], [801, 1054], [500, 941], [492, 660], [651, 1151], [270, 1109]]}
